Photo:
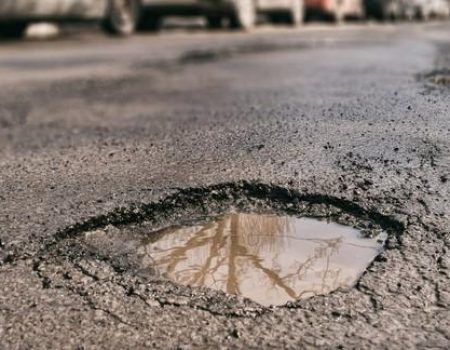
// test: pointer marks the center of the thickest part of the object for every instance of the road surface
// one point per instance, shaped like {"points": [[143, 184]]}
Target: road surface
{"points": [[95, 131]]}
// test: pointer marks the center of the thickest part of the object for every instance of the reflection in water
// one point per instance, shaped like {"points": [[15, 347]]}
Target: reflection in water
{"points": [[269, 259]]}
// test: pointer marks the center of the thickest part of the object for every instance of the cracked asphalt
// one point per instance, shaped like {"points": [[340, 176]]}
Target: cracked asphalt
{"points": [[349, 122]]}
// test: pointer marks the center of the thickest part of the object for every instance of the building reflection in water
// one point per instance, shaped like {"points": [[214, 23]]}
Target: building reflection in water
{"points": [[269, 259]]}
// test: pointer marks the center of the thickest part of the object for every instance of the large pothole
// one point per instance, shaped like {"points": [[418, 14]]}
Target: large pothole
{"points": [[264, 242], [270, 259]]}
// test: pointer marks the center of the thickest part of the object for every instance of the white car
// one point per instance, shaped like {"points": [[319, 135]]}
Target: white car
{"points": [[440, 9], [117, 16], [426, 9]]}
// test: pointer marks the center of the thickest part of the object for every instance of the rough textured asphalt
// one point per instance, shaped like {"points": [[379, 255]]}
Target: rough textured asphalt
{"points": [[160, 128]]}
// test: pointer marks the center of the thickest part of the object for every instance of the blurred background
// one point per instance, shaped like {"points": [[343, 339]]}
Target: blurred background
{"points": [[52, 18]]}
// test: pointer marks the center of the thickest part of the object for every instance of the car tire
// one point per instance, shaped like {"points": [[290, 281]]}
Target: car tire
{"points": [[296, 13], [149, 22], [214, 22], [122, 17], [13, 30], [243, 15]]}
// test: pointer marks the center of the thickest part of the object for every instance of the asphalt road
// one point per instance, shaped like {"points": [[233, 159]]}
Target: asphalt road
{"points": [[96, 131]]}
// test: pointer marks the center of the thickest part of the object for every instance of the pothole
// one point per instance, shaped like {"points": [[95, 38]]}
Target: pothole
{"points": [[270, 259], [286, 245]]}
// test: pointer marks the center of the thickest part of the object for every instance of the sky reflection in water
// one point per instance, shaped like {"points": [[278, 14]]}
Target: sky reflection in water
{"points": [[270, 259]]}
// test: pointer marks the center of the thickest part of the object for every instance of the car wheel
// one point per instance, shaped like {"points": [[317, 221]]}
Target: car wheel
{"points": [[214, 22], [13, 30], [243, 15], [149, 22], [122, 17], [296, 13]]}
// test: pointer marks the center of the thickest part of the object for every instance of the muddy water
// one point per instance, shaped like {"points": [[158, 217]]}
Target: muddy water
{"points": [[270, 259]]}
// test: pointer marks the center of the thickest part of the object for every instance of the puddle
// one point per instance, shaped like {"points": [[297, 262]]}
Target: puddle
{"points": [[270, 259]]}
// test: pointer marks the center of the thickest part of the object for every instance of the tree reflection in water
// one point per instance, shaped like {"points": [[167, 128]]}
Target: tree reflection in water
{"points": [[269, 259]]}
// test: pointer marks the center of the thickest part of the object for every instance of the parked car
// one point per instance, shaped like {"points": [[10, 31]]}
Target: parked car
{"points": [[440, 9], [117, 16], [384, 9], [426, 9], [234, 13], [336, 10], [124, 16]]}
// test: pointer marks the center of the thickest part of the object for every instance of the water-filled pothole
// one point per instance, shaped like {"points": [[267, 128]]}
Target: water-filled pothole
{"points": [[269, 259]]}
